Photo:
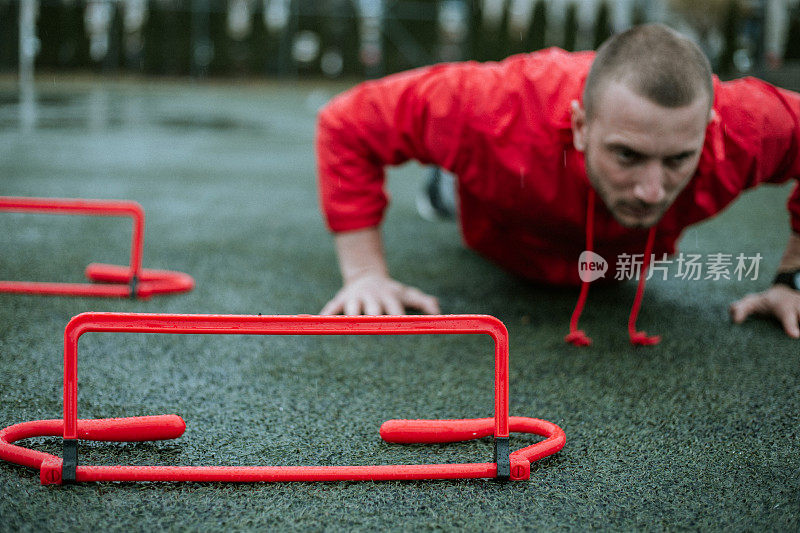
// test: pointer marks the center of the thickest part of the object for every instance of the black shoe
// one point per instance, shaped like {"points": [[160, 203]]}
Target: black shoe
{"points": [[437, 198]]}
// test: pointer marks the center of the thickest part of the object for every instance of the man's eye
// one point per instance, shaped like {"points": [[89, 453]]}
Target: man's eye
{"points": [[676, 161], [627, 156]]}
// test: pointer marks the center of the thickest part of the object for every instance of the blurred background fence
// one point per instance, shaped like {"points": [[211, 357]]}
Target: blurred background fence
{"points": [[364, 38]]}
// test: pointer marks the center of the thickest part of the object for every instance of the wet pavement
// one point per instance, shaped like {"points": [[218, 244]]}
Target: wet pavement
{"points": [[100, 105]]}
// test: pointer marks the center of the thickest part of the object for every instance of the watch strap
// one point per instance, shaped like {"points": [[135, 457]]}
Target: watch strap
{"points": [[787, 278]]}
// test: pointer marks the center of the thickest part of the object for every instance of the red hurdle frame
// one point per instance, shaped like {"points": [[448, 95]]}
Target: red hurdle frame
{"points": [[116, 281], [506, 465]]}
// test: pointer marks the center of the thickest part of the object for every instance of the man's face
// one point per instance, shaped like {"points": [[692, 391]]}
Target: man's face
{"points": [[639, 155]]}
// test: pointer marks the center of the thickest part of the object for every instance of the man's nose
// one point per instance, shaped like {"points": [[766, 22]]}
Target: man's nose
{"points": [[650, 185]]}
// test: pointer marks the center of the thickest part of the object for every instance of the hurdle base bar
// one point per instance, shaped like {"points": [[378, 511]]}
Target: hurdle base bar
{"points": [[113, 281], [55, 471], [147, 282]]}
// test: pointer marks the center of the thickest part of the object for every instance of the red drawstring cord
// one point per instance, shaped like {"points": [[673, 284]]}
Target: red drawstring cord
{"points": [[577, 336], [640, 338]]}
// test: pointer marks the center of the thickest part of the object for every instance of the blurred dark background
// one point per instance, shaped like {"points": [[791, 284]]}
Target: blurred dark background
{"points": [[366, 38]]}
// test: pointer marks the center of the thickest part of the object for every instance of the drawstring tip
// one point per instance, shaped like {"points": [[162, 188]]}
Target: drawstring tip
{"points": [[578, 338], [640, 338]]}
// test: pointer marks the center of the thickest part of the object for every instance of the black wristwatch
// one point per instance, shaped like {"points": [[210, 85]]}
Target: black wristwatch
{"points": [[790, 279]]}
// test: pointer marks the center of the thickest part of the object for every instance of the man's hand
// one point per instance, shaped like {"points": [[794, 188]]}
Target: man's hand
{"points": [[779, 301], [376, 294], [368, 288]]}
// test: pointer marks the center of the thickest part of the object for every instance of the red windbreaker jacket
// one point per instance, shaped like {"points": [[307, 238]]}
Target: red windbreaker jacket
{"points": [[504, 130]]}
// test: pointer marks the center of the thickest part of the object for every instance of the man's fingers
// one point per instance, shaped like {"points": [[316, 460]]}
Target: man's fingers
{"points": [[417, 299], [779, 302], [393, 306], [334, 307], [739, 312], [745, 307], [375, 296], [372, 307], [352, 307], [789, 318]]}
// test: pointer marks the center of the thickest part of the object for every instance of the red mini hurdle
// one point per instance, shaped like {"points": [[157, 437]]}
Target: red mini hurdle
{"points": [[505, 465], [116, 281]]}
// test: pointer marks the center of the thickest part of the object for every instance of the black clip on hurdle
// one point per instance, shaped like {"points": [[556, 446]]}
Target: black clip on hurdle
{"points": [[502, 456], [134, 282], [70, 465]]}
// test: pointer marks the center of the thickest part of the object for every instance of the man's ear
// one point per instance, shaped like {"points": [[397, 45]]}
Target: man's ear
{"points": [[578, 118]]}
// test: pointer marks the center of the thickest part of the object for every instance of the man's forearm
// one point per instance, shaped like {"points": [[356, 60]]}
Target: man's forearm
{"points": [[360, 252], [790, 261]]}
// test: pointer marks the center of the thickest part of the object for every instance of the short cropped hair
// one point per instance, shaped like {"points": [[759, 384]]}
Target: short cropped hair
{"points": [[655, 62]]}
